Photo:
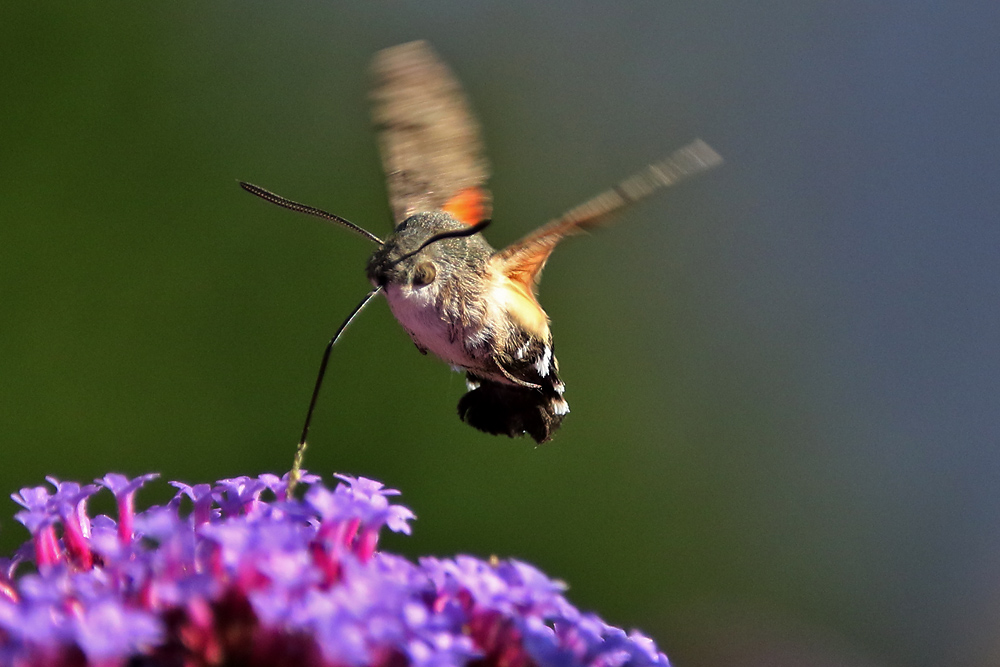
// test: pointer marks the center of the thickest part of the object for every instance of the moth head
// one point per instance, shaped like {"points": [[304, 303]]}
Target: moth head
{"points": [[428, 248]]}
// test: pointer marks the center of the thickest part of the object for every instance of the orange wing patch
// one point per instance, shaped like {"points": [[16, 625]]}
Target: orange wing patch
{"points": [[525, 267], [469, 205]]}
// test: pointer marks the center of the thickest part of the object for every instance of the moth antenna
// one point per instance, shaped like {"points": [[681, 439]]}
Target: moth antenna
{"points": [[453, 234], [300, 452], [267, 195]]}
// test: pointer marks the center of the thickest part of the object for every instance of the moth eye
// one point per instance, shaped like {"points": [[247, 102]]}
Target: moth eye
{"points": [[423, 274]]}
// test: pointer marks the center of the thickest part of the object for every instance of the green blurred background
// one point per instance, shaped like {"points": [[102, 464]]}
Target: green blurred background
{"points": [[783, 374]]}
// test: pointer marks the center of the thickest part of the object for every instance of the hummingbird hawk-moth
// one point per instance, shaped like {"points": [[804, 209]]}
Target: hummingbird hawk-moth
{"points": [[457, 297]]}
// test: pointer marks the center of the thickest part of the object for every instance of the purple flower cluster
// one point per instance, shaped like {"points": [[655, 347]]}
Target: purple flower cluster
{"points": [[241, 580]]}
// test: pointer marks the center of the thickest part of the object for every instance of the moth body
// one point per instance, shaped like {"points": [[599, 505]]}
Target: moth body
{"points": [[453, 302], [437, 294]]}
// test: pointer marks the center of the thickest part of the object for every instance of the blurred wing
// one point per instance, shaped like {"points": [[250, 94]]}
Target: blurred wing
{"points": [[432, 152], [523, 260]]}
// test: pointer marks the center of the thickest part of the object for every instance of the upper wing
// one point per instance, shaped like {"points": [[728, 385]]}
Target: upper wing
{"points": [[432, 152], [523, 260]]}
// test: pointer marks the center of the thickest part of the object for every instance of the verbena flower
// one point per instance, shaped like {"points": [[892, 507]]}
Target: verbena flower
{"points": [[250, 577]]}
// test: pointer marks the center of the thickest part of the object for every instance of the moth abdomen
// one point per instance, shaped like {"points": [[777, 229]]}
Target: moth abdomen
{"points": [[505, 409], [524, 398]]}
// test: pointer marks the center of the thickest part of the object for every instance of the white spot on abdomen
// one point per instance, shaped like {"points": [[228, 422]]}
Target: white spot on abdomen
{"points": [[542, 365]]}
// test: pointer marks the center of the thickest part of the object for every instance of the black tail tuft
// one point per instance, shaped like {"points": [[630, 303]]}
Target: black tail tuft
{"points": [[503, 409]]}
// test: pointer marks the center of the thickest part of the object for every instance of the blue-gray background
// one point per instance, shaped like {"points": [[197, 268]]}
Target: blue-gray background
{"points": [[783, 374]]}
